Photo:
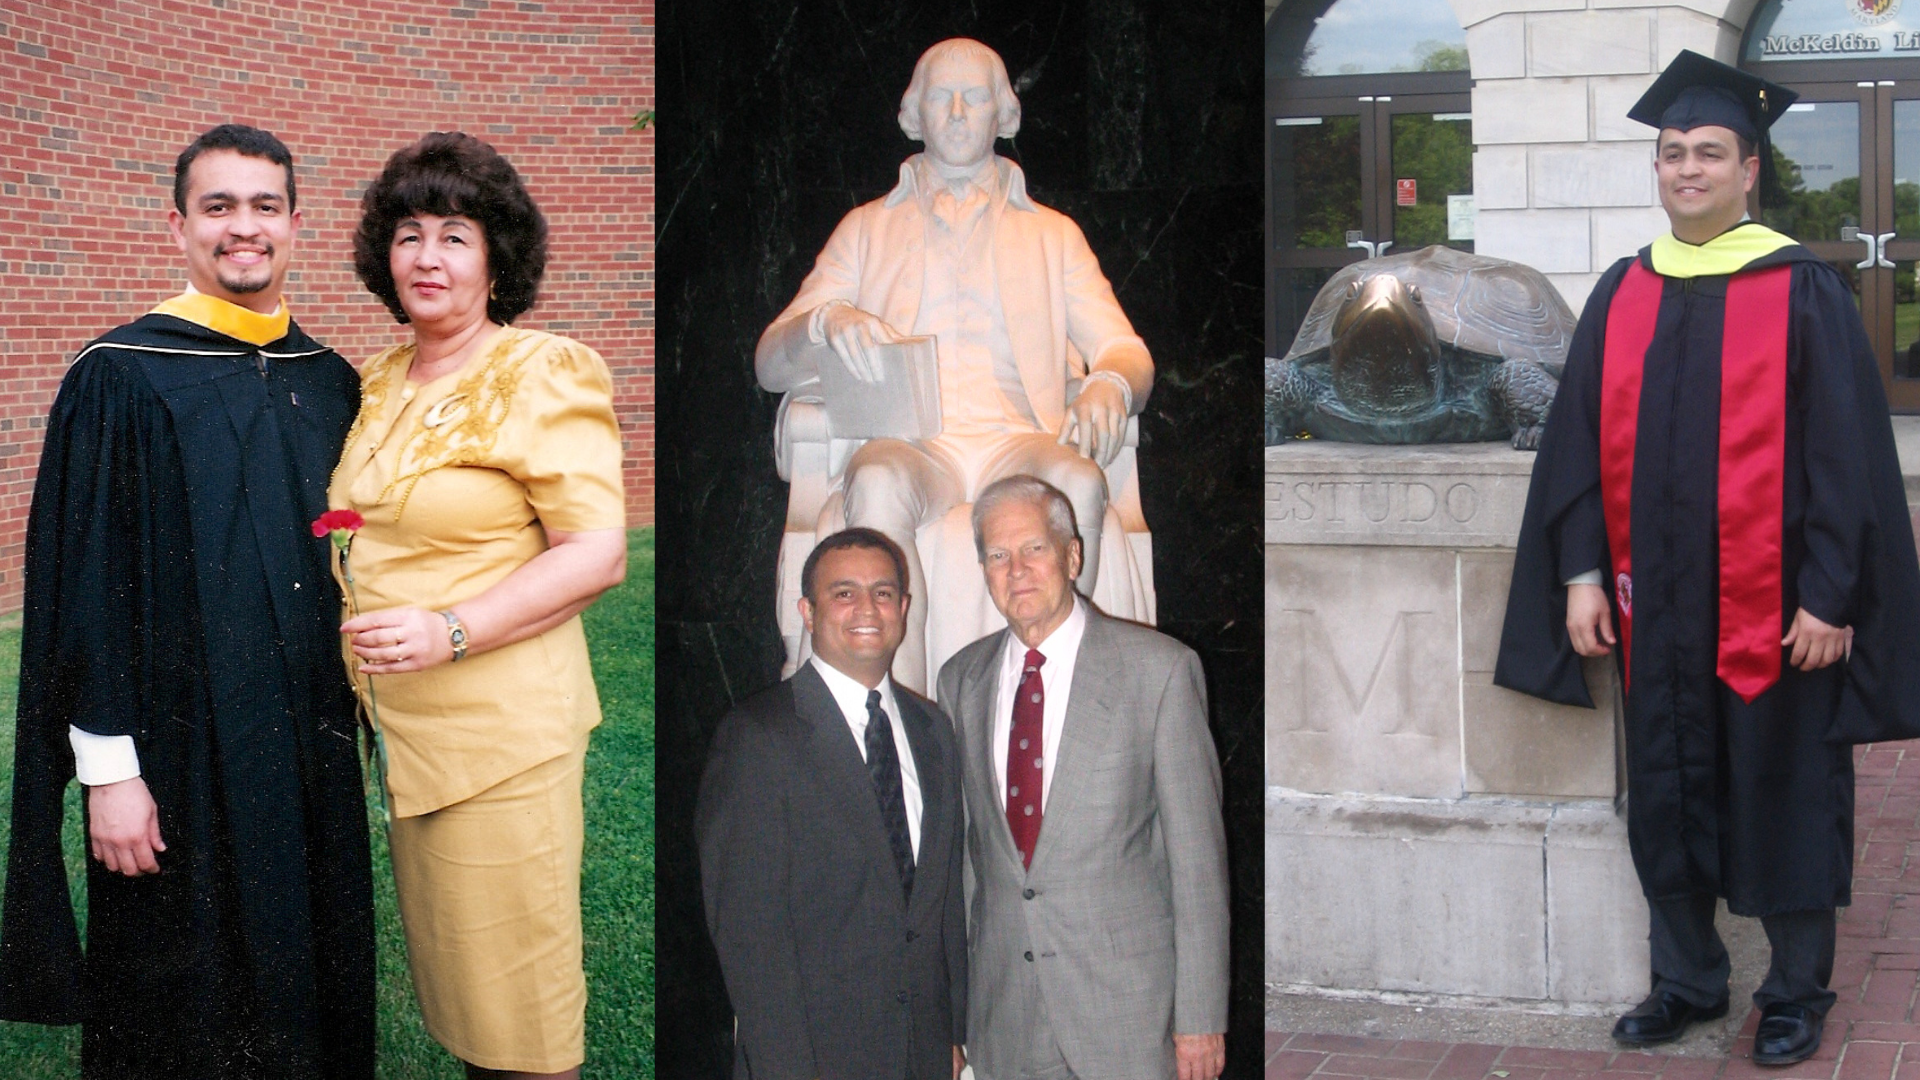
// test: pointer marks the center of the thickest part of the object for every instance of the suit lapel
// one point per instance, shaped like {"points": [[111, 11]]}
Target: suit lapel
{"points": [[1084, 732], [936, 817], [979, 695], [838, 763]]}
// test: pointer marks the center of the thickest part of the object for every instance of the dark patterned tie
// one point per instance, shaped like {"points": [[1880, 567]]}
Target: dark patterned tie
{"points": [[1025, 760], [883, 764]]}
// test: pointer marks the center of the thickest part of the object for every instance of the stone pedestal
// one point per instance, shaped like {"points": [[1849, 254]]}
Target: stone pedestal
{"points": [[1427, 831]]}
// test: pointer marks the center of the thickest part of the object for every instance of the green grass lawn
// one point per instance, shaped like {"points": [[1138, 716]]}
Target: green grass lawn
{"points": [[616, 885]]}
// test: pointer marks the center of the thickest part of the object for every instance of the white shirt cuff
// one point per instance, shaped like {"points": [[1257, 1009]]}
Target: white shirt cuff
{"points": [[102, 759], [816, 320], [1117, 379], [1591, 577]]}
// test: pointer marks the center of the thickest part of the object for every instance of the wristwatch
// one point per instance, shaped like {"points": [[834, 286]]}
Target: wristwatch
{"points": [[456, 635]]}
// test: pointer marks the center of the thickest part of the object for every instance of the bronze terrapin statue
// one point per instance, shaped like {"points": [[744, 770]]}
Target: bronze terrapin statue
{"points": [[1434, 345]]}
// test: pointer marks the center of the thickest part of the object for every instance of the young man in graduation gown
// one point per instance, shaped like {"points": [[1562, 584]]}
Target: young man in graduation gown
{"points": [[1717, 503], [180, 650]]}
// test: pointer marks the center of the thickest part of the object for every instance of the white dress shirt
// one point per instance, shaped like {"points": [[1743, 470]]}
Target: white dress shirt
{"points": [[1062, 649], [852, 699]]}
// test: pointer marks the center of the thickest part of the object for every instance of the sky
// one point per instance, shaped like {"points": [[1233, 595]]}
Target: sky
{"points": [[1382, 35]]}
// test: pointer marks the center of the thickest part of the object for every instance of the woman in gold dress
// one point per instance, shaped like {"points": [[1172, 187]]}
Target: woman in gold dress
{"points": [[486, 463]]}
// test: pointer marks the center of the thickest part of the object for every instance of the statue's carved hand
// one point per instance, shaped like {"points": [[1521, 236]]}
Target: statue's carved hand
{"points": [[1096, 421], [852, 334]]}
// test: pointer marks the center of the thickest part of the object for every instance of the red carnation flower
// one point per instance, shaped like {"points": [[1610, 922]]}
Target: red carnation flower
{"points": [[347, 521]]}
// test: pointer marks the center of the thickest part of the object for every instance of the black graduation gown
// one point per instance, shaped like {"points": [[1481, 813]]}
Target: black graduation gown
{"points": [[175, 593], [1752, 801]]}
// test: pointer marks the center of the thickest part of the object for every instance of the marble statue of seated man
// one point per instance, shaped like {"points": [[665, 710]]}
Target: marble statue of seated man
{"points": [[1038, 368]]}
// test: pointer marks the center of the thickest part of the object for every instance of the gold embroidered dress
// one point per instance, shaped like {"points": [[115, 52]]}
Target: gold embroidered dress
{"points": [[456, 478]]}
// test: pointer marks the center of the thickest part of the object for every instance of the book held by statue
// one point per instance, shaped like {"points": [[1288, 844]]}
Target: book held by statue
{"points": [[903, 404]]}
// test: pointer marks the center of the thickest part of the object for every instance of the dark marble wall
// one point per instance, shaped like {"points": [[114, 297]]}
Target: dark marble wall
{"points": [[1142, 120]]}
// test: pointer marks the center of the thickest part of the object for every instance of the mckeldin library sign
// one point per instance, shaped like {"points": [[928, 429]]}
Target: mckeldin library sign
{"points": [[1851, 43], [1814, 29]]}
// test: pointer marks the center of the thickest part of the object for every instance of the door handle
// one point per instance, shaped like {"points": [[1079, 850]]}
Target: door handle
{"points": [[1374, 250], [1880, 251], [1873, 250]]}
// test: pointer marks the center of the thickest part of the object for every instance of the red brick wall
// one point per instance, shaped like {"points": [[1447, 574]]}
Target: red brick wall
{"points": [[97, 97]]}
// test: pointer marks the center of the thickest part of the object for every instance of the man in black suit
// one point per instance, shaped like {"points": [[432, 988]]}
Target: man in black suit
{"points": [[830, 834]]}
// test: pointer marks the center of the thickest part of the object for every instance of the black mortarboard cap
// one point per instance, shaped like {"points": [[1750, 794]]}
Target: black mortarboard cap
{"points": [[1696, 91]]}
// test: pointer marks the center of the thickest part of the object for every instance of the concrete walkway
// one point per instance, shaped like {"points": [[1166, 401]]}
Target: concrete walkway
{"points": [[1872, 1034]]}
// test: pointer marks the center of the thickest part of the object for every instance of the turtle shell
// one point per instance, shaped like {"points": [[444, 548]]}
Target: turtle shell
{"points": [[1480, 305]]}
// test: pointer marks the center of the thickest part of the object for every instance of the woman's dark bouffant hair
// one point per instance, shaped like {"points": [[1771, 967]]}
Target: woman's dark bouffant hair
{"points": [[451, 173]]}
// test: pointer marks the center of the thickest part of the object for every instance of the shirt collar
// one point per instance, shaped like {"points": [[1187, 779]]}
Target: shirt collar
{"points": [[1005, 176], [849, 694], [1062, 643]]}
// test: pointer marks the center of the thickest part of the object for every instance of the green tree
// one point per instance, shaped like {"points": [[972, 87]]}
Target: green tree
{"points": [[1906, 209], [1317, 182], [1440, 56], [1809, 215]]}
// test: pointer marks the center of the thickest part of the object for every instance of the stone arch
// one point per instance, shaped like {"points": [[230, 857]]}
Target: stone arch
{"points": [[1735, 19], [1287, 32]]}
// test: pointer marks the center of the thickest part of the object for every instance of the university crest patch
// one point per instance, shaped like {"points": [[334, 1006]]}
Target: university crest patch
{"points": [[1873, 12]]}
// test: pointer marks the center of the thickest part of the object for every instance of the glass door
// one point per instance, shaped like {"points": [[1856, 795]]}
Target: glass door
{"points": [[1847, 155], [1319, 176], [1351, 177], [1821, 151], [1856, 65], [1430, 157], [1898, 115]]}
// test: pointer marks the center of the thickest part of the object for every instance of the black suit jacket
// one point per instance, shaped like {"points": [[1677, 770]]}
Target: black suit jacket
{"points": [[831, 971]]}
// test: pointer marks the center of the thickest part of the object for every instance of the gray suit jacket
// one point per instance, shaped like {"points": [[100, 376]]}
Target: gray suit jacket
{"points": [[1123, 915], [831, 972]]}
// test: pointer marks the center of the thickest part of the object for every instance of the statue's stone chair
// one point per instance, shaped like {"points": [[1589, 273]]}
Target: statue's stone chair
{"points": [[959, 611]]}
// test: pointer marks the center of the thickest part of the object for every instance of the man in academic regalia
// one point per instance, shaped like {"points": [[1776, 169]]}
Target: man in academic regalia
{"points": [[1718, 484], [180, 656]]}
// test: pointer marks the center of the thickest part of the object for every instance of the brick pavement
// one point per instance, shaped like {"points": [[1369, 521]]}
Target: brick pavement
{"points": [[1871, 1034]]}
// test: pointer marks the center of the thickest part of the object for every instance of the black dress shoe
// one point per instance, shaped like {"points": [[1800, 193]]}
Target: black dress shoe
{"points": [[1664, 1017], [1787, 1033]]}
